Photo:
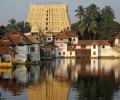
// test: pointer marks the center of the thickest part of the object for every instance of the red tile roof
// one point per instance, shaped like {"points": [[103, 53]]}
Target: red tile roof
{"points": [[65, 35], [92, 42], [33, 38], [6, 50], [61, 36], [49, 45], [118, 36], [80, 50], [14, 38], [71, 34]]}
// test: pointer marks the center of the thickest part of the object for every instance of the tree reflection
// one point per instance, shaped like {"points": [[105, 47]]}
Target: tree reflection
{"points": [[97, 88], [89, 81]]}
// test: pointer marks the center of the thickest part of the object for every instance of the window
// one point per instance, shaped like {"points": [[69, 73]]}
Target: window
{"points": [[28, 48], [67, 28], [94, 53], [46, 23], [94, 46], [63, 53], [59, 53], [70, 53], [20, 44], [46, 19], [46, 28], [32, 49], [73, 39], [49, 38], [69, 39], [103, 46], [44, 39]]}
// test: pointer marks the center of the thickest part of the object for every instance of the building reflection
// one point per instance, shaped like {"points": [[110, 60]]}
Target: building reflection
{"points": [[57, 79], [49, 85], [64, 79], [8, 83], [5, 73], [99, 81], [20, 74]]}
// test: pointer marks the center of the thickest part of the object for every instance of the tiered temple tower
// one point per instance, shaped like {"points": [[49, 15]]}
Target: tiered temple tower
{"points": [[48, 17]]}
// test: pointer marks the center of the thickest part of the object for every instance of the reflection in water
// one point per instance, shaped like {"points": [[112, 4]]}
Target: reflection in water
{"points": [[5, 73], [9, 88], [46, 85], [63, 79]]}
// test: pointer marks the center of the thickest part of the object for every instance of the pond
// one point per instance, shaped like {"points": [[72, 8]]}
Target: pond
{"points": [[62, 79]]}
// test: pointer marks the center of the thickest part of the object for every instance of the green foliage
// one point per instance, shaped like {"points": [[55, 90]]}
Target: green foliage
{"points": [[97, 20], [2, 30], [96, 87], [21, 26], [79, 12], [75, 26]]}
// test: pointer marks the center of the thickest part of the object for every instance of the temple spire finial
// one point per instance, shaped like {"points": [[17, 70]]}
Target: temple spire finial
{"points": [[30, 1], [66, 2]]}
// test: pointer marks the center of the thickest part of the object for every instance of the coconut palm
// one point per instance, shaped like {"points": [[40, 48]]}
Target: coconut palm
{"points": [[107, 17], [80, 12]]}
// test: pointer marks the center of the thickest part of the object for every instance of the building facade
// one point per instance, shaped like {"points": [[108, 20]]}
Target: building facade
{"points": [[48, 17], [26, 46]]}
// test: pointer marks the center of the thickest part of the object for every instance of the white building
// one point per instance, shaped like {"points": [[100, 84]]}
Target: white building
{"points": [[69, 46], [23, 45], [34, 49], [103, 49], [64, 40], [48, 38]]}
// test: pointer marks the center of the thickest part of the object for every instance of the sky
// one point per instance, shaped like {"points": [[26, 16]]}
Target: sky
{"points": [[18, 9]]}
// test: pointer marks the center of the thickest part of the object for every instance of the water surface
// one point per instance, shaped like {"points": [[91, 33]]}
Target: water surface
{"points": [[62, 79]]}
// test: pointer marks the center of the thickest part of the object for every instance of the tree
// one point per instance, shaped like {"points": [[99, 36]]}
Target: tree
{"points": [[107, 18], [88, 18], [12, 22], [100, 21], [75, 26], [79, 12], [92, 13], [2, 30], [21, 26], [24, 27]]}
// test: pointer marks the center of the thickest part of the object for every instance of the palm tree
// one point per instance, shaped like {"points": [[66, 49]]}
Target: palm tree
{"points": [[108, 17], [80, 12], [92, 11]]}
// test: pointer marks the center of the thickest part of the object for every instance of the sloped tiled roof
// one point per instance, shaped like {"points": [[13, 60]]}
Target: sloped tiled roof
{"points": [[34, 39], [7, 50], [71, 34], [92, 42], [49, 45], [61, 36], [14, 38], [74, 49], [118, 36], [65, 35]]}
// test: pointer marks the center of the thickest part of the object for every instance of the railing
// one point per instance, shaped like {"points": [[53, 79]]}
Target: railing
{"points": [[6, 62]]}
